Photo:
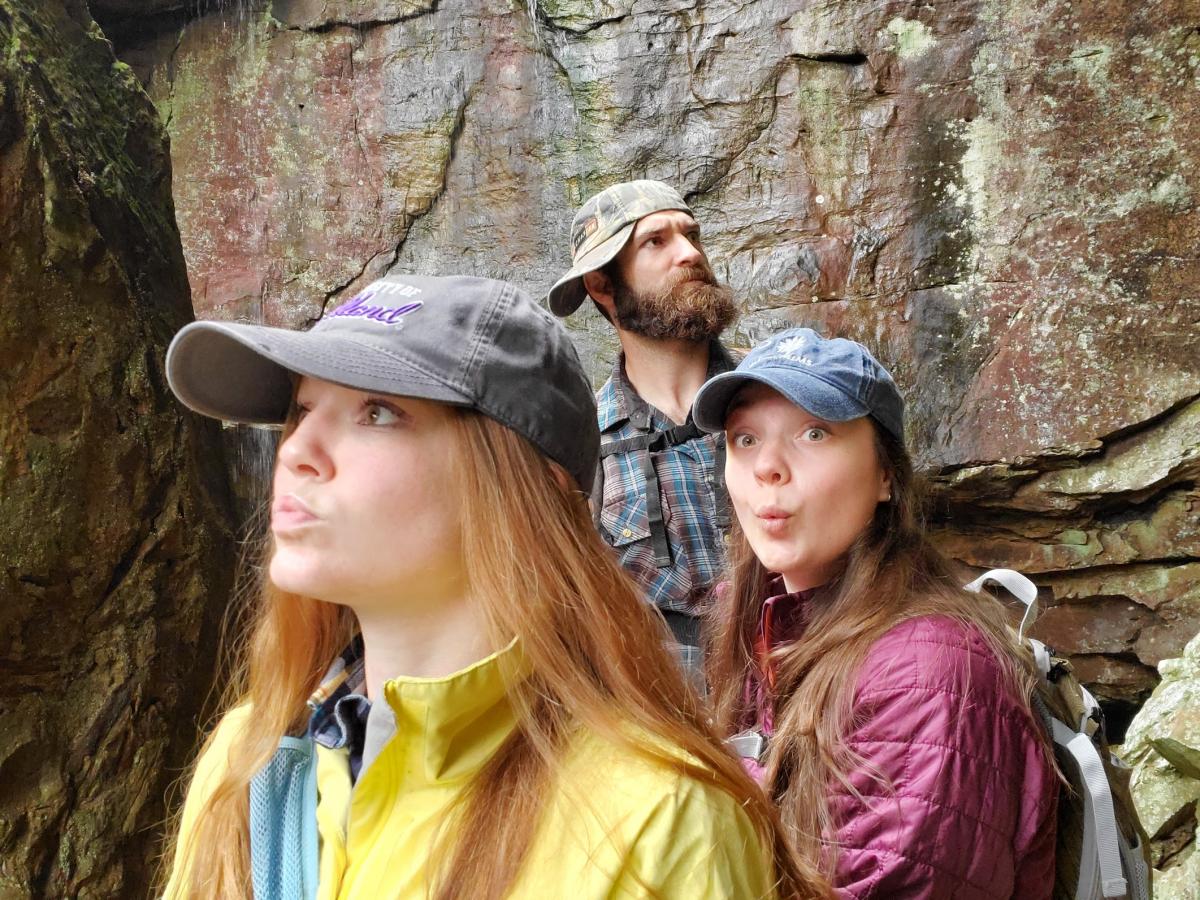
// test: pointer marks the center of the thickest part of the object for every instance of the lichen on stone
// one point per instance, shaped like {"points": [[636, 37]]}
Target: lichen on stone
{"points": [[913, 38]]}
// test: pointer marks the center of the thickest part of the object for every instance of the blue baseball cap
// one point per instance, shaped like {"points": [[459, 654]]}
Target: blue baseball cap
{"points": [[833, 378]]}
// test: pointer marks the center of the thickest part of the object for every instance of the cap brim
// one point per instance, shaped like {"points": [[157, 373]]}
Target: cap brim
{"points": [[244, 373], [803, 389], [568, 292]]}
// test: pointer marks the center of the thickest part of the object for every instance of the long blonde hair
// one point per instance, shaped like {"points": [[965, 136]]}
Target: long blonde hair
{"points": [[595, 657], [891, 573]]}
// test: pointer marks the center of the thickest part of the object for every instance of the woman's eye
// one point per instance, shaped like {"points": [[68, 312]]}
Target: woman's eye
{"points": [[816, 434], [378, 414], [743, 440]]}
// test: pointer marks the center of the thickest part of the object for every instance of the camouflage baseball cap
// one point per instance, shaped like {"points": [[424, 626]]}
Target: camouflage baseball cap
{"points": [[601, 228]]}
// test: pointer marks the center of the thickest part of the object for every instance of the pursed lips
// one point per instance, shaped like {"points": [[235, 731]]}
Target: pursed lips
{"points": [[289, 512], [773, 519]]}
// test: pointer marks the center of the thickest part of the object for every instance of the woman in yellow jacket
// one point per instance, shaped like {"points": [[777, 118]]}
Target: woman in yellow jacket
{"points": [[451, 689]]}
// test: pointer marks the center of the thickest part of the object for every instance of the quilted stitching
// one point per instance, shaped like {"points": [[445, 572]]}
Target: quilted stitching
{"points": [[969, 811]]}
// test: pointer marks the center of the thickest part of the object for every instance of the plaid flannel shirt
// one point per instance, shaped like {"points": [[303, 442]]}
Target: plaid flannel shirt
{"points": [[340, 707], [691, 490]]}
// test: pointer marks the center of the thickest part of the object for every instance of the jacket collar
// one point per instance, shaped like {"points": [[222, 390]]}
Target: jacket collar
{"points": [[618, 401], [446, 728], [783, 619]]}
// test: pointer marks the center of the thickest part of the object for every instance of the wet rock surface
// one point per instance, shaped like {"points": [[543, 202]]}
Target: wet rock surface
{"points": [[1163, 747], [115, 556], [1000, 198]]}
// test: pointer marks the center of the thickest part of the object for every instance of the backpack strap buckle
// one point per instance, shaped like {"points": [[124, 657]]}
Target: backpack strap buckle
{"points": [[751, 744]]}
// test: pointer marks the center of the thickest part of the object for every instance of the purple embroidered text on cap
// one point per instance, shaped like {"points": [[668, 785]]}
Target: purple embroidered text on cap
{"points": [[357, 305]]}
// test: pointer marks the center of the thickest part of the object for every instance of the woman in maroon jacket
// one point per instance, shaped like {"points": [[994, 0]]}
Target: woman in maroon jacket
{"points": [[885, 709]]}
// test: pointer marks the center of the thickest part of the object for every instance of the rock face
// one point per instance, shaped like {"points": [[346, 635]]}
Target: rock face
{"points": [[116, 557], [1000, 197], [1163, 746]]}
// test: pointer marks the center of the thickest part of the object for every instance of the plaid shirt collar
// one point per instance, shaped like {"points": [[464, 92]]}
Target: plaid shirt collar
{"points": [[619, 401], [338, 700]]}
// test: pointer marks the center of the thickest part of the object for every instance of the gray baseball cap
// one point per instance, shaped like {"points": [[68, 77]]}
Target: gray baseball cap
{"points": [[469, 342], [602, 227], [833, 378]]}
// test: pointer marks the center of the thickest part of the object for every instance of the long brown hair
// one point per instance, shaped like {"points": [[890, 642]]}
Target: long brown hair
{"points": [[594, 655], [891, 573]]}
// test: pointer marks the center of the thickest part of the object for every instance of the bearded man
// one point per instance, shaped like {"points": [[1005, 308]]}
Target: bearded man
{"points": [[659, 497]]}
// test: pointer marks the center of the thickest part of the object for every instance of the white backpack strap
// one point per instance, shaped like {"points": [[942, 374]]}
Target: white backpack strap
{"points": [[1100, 860], [1041, 656], [1091, 707], [1017, 585], [748, 744]]}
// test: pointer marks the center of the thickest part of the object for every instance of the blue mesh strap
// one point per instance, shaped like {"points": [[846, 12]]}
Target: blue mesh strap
{"points": [[283, 824]]}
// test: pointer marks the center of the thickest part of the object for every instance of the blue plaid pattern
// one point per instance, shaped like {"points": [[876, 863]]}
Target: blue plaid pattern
{"points": [[340, 706], [689, 488]]}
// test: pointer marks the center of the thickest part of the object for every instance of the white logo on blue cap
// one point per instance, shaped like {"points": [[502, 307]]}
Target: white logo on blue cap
{"points": [[794, 349]]}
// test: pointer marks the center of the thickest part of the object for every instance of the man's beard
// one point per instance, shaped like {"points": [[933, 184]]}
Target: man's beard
{"points": [[693, 307]]}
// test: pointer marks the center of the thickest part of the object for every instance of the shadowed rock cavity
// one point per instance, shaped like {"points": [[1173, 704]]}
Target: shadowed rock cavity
{"points": [[116, 554]]}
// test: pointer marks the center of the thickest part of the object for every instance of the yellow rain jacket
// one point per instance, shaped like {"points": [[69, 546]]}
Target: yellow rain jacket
{"points": [[615, 825]]}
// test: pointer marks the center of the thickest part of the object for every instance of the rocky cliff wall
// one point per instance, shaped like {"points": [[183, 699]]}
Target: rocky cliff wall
{"points": [[1000, 197], [115, 552]]}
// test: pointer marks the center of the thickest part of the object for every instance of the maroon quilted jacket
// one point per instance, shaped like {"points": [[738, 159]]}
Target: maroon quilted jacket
{"points": [[971, 812]]}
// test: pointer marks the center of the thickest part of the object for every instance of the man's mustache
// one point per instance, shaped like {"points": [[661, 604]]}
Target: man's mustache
{"points": [[694, 273]]}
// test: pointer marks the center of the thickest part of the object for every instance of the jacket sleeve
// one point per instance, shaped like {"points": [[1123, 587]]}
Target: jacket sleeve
{"points": [[210, 769], [964, 805]]}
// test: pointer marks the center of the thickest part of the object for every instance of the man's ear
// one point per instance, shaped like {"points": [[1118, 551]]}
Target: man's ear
{"points": [[599, 287]]}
